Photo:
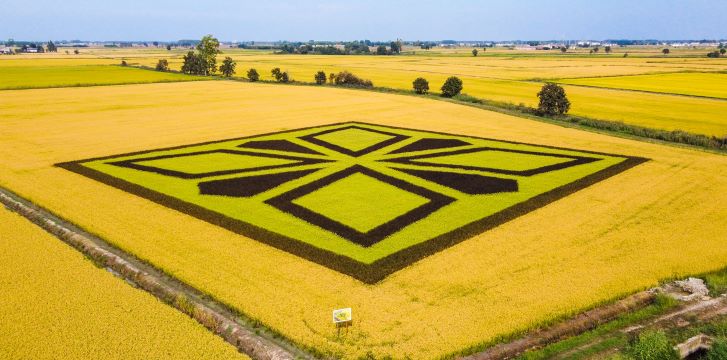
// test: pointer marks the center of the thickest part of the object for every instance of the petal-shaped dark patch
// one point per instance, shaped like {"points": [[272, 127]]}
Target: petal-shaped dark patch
{"points": [[250, 185], [467, 183], [430, 144], [279, 145]]}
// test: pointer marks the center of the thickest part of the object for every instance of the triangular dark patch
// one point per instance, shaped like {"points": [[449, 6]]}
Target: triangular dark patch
{"points": [[249, 185], [279, 145], [430, 144], [467, 183]]}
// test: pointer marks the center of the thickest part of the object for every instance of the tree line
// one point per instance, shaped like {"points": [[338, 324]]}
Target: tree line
{"points": [[203, 61]]}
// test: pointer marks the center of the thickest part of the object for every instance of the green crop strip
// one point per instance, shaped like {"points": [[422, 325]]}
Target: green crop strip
{"points": [[362, 199]]}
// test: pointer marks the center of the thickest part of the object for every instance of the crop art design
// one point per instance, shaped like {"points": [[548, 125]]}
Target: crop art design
{"points": [[362, 199]]}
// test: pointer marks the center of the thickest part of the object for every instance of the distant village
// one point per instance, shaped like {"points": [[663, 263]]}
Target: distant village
{"points": [[14, 47]]}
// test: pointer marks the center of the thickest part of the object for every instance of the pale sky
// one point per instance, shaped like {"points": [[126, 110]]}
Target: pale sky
{"points": [[268, 20]]}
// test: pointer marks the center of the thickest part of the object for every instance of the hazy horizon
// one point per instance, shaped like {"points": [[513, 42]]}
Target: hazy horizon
{"points": [[375, 20]]}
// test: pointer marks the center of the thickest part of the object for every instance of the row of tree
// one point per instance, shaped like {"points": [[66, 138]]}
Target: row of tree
{"points": [[49, 47], [349, 48], [203, 61], [717, 53]]}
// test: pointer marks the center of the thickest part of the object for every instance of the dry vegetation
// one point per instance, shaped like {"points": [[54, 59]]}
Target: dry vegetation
{"points": [[623, 234]]}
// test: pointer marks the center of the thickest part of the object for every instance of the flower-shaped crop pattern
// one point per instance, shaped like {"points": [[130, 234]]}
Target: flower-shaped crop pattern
{"points": [[362, 199]]}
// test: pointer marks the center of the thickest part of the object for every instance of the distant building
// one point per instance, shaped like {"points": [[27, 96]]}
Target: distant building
{"points": [[6, 50]]}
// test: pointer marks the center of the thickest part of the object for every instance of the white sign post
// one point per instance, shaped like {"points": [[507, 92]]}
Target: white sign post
{"points": [[342, 318]]}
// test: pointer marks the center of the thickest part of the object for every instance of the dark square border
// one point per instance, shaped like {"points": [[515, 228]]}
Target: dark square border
{"points": [[312, 138], [367, 273], [284, 202]]}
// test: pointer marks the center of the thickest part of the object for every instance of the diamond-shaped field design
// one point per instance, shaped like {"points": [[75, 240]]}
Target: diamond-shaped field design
{"points": [[354, 140], [362, 199], [359, 204], [354, 202]]}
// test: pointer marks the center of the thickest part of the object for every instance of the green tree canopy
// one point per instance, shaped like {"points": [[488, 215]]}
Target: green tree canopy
{"points": [[320, 78], [553, 100], [228, 67], [421, 85], [452, 87], [252, 75], [162, 65], [395, 49], [207, 49], [276, 73], [194, 64]]}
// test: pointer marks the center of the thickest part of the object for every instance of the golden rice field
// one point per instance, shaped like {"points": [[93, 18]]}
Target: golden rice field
{"points": [[498, 77], [695, 84], [25, 74], [509, 80], [56, 304], [618, 236]]}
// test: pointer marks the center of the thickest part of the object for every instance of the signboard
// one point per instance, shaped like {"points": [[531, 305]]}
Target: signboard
{"points": [[342, 316]]}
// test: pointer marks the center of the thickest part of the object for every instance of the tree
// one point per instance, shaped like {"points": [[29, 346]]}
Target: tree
{"points": [[52, 47], [553, 100], [320, 78], [228, 67], [252, 75], [713, 54], [194, 64], [169, 47], [123, 63], [75, 51], [207, 49], [484, 49], [595, 49], [276, 73], [563, 49], [474, 52], [452, 87], [722, 51], [665, 51], [346, 78], [162, 65], [607, 49], [395, 49], [331, 77], [381, 50], [421, 86]]}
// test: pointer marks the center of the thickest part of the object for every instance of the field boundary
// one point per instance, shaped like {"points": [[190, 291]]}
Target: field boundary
{"points": [[245, 334], [578, 324], [560, 81]]}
